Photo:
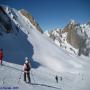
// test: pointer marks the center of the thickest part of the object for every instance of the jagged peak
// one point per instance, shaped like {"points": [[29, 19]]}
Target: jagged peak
{"points": [[31, 19], [23, 10], [72, 21]]}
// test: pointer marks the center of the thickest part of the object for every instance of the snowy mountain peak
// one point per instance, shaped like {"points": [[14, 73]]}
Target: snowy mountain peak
{"points": [[31, 18], [70, 26], [7, 13], [73, 38], [72, 21]]}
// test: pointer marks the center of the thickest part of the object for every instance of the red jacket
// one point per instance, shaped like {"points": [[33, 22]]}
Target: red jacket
{"points": [[1, 55]]}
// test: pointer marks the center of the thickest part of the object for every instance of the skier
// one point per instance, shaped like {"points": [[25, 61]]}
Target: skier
{"points": [[1, 56], [26, 68], [56, 77]]}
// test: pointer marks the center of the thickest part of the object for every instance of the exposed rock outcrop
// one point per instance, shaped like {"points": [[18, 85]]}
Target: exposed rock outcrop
{"points": [[5, 21], [31, 18]]}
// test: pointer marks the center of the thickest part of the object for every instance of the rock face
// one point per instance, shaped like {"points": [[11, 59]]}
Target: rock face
{"points": [[60, 39], [75, 35], [72, 24], [7, 24], [78, 36], [72, 36], [55, 34], [32, 20], [5, 21]]}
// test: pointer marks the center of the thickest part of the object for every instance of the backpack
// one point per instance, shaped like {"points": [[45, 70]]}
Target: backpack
{"points": [[28, 67]]}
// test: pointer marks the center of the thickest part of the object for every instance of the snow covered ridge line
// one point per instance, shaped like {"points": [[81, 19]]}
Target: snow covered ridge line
{"points": [[10, 12], [5, 21], [74, 38], [31, 19]]}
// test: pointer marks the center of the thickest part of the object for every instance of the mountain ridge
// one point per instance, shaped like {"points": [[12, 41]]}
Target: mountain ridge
{"points": [[77, 36]]}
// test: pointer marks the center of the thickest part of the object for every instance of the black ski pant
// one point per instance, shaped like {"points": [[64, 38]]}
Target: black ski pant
{"points": [[27, 75]]}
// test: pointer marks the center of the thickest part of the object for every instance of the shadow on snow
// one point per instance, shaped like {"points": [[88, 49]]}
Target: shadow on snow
{"points": [[45, 85], [16, 47]]}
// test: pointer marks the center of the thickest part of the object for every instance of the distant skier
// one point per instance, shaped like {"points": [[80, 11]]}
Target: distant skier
{"points": [[56, 77], [1, 56], [26, 68]]}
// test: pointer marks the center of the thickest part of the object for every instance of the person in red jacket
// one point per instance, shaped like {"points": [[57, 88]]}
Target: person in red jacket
{"points": [[1, 56]]}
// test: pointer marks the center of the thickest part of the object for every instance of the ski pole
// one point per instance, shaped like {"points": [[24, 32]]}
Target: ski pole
{"points": [[20, 76], [32, 77]]}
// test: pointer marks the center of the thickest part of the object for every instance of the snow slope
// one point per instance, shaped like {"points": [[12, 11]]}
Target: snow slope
{"points": [[47, 60], [75, 38], [11, 76], [60, 40]]}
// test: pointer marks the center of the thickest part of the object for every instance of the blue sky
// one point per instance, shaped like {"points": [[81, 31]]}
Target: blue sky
{"points": [[54, 13]]}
